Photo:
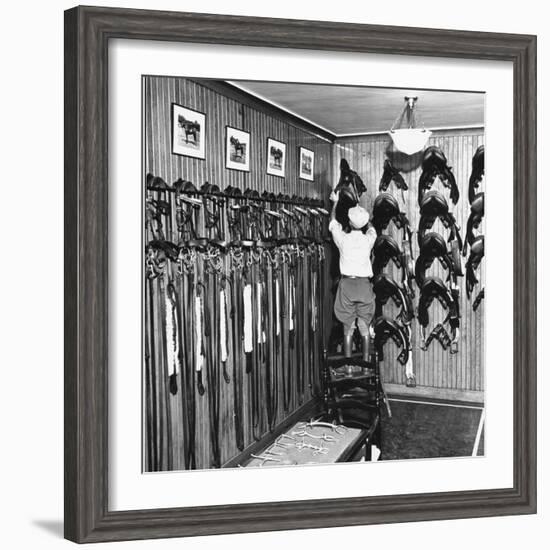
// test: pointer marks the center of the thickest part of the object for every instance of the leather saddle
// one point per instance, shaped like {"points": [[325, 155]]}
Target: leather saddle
{"points": [[384, 329], [211, 192], [391, 174], [185, 187], [477, 211], [477, 252], [433, 206], [351, 187], [385, 249], [434, 288], [432, 246], [156, 183], [434, 164], [187, 192], [478, 171], [233, 192], [386, 209], [385, 288]]}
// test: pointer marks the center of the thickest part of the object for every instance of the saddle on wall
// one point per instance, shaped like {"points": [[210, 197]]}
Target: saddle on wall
{"points": [[385, 288], [433, 246], [432, 207], [386, 209], [478, 171], [434, 288], [385, 249], [351, 187], [384, 329], [435, 165], [477, 211], [476, 254], [390, 174]]}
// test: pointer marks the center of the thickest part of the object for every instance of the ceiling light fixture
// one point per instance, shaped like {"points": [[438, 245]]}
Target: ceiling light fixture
{"points": [[409, 139]]}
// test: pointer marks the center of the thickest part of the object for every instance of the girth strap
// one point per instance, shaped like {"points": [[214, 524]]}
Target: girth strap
{"points": [[478, 299], [476, 255], [390, 174], [385, 328], [478, 171]]}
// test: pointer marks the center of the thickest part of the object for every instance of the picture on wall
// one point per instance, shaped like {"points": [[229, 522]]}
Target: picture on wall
{"points": [[276, 157], [237, 149], [188, 132], [306, 165]]}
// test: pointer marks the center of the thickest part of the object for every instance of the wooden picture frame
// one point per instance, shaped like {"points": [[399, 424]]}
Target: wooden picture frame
{"points": [[188, 132], [237, 149], [276, 158], [87, 34], [306, 164]]}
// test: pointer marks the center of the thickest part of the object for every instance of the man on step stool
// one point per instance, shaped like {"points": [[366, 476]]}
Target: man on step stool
{"points": [[355, 297]]}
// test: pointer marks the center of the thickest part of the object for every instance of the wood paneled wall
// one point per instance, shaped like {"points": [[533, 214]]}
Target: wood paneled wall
{"points": [[434, 367], [160, 93], [221, 111]]}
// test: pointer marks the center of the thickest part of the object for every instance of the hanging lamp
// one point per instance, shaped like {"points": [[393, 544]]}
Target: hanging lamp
{"points": [[409, 138]]}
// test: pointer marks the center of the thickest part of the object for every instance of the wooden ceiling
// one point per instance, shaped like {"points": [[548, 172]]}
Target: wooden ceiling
{"points": [[345, 110]]}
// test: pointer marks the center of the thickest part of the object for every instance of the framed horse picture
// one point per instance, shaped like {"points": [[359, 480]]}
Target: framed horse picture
{"points": [[205, 389], [276, 158], [306, 163], [188, 132], [237, 149]]}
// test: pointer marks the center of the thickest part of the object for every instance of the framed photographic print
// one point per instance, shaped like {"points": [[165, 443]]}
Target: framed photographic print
{"points": [[276, 157], [208, 387], [237, 149], [307, 159], [188, 132]]}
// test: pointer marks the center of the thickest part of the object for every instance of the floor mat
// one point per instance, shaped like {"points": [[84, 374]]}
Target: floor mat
{"points": [[425, 430]]}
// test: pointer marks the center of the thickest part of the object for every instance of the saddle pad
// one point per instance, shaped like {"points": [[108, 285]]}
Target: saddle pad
{"points": [[293, 455]]}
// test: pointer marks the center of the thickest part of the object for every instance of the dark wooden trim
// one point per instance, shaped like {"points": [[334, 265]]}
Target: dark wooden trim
{"points": [[87, 34], [525, 272], [86, 274], [71, 427]]}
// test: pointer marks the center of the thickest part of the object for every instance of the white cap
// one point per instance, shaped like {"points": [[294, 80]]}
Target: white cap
{"points": [[358, 217]]}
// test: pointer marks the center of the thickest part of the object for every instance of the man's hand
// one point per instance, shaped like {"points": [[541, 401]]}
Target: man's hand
{"points": [[334, 196]]}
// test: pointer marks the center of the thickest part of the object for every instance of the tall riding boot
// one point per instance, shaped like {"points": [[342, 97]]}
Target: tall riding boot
{"points": [[366, 346], [348, 338]]}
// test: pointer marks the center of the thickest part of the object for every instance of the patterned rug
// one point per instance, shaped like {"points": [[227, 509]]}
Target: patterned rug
{"points": [[431, 430]]}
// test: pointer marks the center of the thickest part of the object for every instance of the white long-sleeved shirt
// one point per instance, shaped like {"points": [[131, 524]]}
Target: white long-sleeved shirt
{"points": [[354, 248]]}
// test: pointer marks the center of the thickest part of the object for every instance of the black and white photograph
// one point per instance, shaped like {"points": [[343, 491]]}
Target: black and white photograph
{"points": [[276, 157], [307, 159], [237, 149], [188, 132], [335, 315]]}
